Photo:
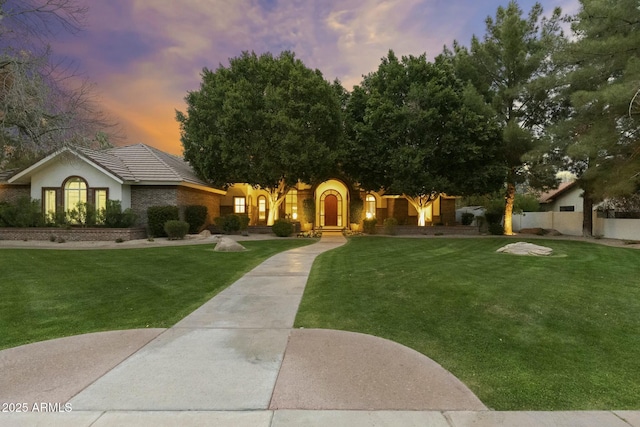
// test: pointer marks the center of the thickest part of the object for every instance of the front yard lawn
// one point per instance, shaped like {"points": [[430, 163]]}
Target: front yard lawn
{"points": [[54, 293], [524, 333]]}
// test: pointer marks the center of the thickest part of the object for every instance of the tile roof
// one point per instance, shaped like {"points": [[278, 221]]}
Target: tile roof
{"points": [[142, 163], [549, 196]]}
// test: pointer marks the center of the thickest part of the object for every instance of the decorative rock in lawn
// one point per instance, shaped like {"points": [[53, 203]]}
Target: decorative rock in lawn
{"points": [[226, 244], [524, 248]]}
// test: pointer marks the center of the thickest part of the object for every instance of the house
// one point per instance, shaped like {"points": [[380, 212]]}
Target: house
{"points": [[140, 176], [332, 200], [137, 175], [566, 198]]}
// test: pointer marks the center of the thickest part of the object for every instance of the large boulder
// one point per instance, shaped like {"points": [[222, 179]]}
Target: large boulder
{"points": [[225, 244], [524, 248]]}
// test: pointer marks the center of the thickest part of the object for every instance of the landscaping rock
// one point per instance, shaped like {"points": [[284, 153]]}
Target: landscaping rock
{"points": [[204, 234], [226, 244], [524, 248]]}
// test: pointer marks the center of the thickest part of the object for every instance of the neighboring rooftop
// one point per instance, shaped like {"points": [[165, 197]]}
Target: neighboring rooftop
{"points": [[551, 195]]}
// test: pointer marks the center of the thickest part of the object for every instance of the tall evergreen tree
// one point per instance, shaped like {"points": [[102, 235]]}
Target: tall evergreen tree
{"points": [[512, 67], [601, 137]]}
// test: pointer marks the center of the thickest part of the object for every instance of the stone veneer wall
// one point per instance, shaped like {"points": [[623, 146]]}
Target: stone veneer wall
{"points": [[144, 196], [191, 196], [11, 193], [73, 234]]}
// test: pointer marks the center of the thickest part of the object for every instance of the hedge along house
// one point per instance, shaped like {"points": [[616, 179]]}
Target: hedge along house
{"points": [[139, 176], [331, 201]]}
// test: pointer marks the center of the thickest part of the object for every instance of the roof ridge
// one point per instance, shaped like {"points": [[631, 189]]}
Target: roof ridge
{"points": [[91, 155], [153, 152]]}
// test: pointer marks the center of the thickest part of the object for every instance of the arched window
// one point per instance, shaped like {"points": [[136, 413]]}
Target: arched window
{"points": [[75, 191], [370, 206]]}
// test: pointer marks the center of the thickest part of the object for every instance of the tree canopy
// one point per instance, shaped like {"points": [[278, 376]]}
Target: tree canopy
{"points": [[266, 120], [43, 104], [601, 136], [415, 129], [512, 67]]}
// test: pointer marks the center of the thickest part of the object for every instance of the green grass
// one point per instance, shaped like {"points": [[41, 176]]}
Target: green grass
{"points": [[524, 333], [54, 293]]}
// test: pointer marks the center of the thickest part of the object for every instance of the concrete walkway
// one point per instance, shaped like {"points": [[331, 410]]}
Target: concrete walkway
{"points": [[236, 361]]}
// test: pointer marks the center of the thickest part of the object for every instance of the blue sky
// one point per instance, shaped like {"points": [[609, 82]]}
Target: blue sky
{"points": [[144, 55]]}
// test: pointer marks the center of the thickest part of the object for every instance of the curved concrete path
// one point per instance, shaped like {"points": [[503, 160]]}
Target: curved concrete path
{"points": [[236, 361]]}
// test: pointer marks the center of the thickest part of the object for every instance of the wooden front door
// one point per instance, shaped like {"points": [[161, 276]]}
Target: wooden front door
{"points": [[331, 211]]}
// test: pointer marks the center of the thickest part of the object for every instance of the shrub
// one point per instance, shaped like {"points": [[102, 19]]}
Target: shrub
{"points": [[309, 210], [369, 225], [390, 226], [114, 217], [176, 229], [282, 228], [232, 223], [196, 216], [157, 216], [496, 229], [25, 213], [493, 217], [467, 218], [356, 206]]}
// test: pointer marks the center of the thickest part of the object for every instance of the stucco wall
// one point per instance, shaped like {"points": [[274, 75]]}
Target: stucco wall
{"points": [[569, 223], [54, 175], [570, 198], [617, 228]]}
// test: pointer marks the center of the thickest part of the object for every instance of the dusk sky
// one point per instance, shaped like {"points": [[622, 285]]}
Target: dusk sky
{"points": [[145, 55]]}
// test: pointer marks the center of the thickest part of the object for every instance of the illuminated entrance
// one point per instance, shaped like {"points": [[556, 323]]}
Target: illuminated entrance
{"points": [[332, 200]]}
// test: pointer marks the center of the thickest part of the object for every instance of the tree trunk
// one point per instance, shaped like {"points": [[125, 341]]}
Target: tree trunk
{"points": [[587, 214], [508, 208], [421, 205], [275, 200]]}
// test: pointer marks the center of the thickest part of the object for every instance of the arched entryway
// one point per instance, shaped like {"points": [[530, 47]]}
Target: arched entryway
{"points": [[330, 204], [332, 201]]}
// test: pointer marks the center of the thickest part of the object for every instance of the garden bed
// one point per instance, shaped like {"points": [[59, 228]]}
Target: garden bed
{"points": [[72, 234]]}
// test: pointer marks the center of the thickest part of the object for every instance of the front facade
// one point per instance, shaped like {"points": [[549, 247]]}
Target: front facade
{"points": [[331, 201], [140, 176]]}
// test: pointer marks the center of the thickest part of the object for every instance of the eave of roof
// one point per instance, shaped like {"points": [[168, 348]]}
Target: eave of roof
{"points": [[24, 176]]}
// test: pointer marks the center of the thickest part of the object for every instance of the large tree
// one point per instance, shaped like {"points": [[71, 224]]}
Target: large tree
{"points": [[415, 129], [43, 103], [601, 136], [266, 120], [512, 67]]}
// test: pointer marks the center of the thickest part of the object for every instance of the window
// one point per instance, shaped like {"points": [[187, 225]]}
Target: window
{"points": [[239, 205], [370, 206], [100, 202], [75, 191], [291, 204], [567, 208], [262, 208], [49, 204]]}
